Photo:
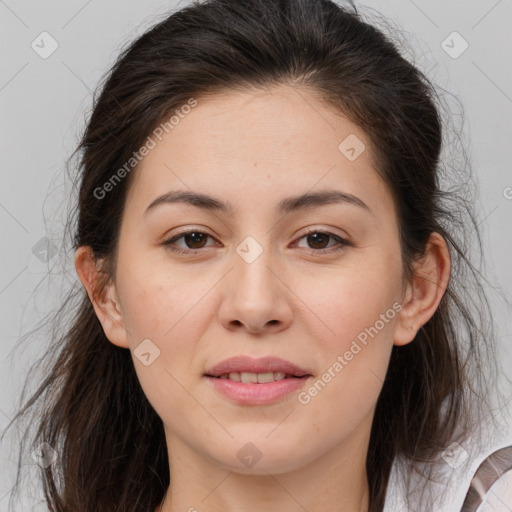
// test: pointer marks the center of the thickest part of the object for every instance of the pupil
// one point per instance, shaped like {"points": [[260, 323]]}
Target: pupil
{"points": [[317, 238], [196, 238]]}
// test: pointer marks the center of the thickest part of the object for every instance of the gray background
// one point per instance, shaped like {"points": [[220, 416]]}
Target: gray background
{"points": [[44, 101]]}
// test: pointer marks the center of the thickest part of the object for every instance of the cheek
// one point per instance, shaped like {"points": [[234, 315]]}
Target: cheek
{"points": [[348, 300], [171, 311], [358, 309], [158, 301]]}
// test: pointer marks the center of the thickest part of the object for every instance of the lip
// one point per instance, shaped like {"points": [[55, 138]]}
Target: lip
{"points": [[256, 365], [256, 394]]}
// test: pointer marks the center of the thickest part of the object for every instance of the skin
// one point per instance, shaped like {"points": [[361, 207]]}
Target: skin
{"points": [[254, 149]]}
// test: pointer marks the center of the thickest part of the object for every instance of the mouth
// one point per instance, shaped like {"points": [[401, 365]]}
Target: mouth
{"points": [[257, 378], [249, 381], [256, 370]]}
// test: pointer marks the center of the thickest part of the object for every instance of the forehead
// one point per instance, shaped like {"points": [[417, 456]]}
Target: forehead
{"points": [[259, 145]]}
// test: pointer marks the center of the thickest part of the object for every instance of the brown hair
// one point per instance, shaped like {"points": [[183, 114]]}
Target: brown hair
{"points": [[110, 441]]}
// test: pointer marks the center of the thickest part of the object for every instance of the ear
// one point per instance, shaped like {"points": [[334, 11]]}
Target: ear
{"points": [[424, 293], [104, 300]]}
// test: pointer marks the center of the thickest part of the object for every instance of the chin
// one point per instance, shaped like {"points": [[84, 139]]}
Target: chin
{"points": [[261, 458]]}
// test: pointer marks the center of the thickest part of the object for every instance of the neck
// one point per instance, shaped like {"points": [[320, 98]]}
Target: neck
{"points": [[335, 481]]}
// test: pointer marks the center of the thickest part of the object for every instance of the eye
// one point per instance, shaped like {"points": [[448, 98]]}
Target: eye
{"points": [[318, 241], [194, 240]]}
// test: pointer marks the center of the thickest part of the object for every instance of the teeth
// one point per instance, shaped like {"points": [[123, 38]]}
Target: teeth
{"points": [[254, 378], [247, 377], [265, 377]]}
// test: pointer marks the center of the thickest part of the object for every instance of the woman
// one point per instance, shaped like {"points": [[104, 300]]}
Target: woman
{"points": [[271, 313]]}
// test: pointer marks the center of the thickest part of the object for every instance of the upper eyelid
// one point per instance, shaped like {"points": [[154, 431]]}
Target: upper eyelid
{"points": [[310, 231]]}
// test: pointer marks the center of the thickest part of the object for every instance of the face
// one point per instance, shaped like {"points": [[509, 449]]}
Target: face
{"points": [[317, 283]]}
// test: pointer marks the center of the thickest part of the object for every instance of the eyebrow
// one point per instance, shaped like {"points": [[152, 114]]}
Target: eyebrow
{"points": [[291, 204]]}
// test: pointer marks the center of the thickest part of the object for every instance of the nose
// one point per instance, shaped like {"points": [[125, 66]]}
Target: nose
{"points": [[255, 297]]}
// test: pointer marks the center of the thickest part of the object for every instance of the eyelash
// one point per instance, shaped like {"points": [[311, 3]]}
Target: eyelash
{"points": [[342, 243]]}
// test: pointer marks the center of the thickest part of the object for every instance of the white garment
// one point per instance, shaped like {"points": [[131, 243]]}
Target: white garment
{"points": [[499, 496], [447, 494]]}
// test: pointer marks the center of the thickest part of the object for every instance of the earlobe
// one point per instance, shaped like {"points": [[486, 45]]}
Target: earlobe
{"points": [[102, 296], [425, 291]]}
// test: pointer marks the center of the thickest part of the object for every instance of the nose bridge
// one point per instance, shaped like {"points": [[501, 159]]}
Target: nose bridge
{"points": [[254, 297], [253, 262]]}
